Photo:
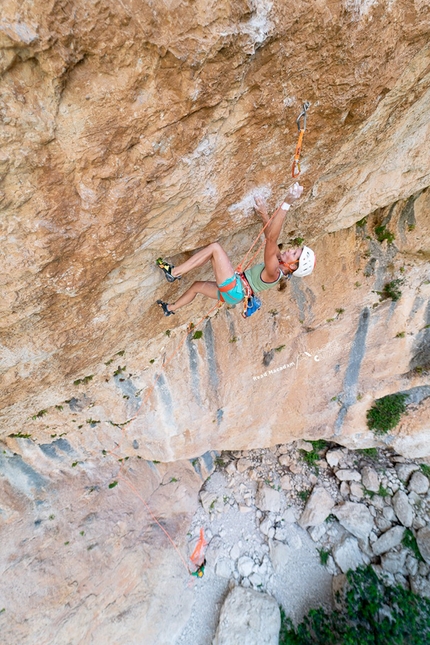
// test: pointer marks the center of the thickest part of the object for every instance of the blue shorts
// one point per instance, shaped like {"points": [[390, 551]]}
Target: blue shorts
{"points": [[234, 295]]}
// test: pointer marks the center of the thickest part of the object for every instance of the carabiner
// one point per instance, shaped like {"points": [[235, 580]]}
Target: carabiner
{"points": [[306, 106]]}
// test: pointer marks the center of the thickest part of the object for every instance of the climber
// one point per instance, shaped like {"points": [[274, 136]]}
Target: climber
{"points": [[228, 286]]}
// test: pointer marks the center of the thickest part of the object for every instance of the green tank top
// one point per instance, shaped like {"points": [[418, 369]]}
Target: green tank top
{"points": [[253, 275]]}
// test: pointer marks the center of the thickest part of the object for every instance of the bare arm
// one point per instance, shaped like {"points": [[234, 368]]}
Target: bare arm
{"points": [[273, 230]]}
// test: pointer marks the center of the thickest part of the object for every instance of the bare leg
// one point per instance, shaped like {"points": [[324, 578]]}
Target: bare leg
{"points": [[221, 264], [208, 289]]}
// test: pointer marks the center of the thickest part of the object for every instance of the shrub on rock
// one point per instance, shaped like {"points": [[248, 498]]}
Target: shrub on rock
{"points": [[370, 613]]}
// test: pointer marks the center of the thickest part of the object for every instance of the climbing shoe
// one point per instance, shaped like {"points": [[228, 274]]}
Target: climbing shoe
{"points": [[163, 305], [167, 270]]}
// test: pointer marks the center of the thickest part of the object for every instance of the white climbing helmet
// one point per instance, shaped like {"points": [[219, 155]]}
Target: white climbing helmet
{"points": [[306, 263]]}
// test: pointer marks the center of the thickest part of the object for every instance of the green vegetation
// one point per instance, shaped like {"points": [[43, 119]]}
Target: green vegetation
{"points": [[382, 233], [121, 353], [83, 381], [400, 334], [382, 492], [385, 413], [197, 334], [298, 241], [113, 484], [340, 311], [391, 290], [314, 455], [19, 435], [324, 555], [92, 421], [409, 542], [119, 371], [167, 332], [304, 495], [369, 452], [39, 415], [280, 348], [370, 613], [361, 223], [233, 339], [425, 470], [109, 361]]}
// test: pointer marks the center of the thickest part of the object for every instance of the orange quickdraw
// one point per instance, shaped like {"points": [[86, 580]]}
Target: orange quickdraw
{"points": [[295, 171]]}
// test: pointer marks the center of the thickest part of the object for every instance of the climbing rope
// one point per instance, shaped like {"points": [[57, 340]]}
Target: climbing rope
{"points": [[136, 492], [295, 171], [191, 328]]}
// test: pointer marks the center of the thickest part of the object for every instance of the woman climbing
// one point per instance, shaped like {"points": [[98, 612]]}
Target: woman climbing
{"points": [[228, 285]]}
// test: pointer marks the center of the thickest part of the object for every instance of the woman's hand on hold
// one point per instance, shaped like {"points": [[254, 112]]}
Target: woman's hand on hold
{"points": [[294, 193], [261, 208]]}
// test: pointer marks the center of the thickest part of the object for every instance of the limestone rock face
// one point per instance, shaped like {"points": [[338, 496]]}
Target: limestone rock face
{"points": [[135, 133], [136, 130], [101, 567]]}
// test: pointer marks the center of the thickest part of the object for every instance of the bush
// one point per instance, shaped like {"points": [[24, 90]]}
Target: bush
{"points": [[382, 233], [371, 614], [391, 290], [385, 413]]}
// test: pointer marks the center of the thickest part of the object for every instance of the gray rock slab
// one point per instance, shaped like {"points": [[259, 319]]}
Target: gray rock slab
{"points": [[420, 586], [382, 523], [245, 566], [423, 542], [285, 460], [418, 483], [333, 457], [285, 482], [223, 568], [347, 554], [243, 464], [357, 490], [280, 555], [355, 518], [388, 540], [316, 532], [248, 617], [389, 513], [317, 508], [393, 562], [404, 471], [348, 475], [370, 478], [304, 445], [268, 499], [403, 509]]}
